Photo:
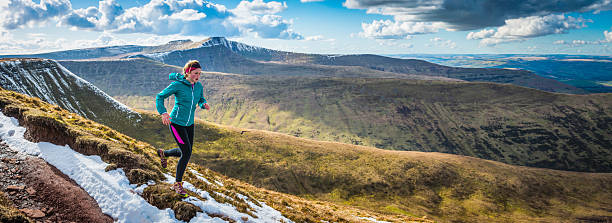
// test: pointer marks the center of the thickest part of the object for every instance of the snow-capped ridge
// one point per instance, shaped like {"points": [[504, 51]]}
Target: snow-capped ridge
{"points": [[232, 45]]}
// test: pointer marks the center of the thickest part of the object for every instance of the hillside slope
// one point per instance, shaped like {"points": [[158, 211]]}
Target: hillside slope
{"points": [[442, 186], [124, 177], [53, 83], [506, 123], [445, 187]]}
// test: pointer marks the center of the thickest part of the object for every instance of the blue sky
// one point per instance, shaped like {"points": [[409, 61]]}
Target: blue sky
{"points": [[328, 26]]}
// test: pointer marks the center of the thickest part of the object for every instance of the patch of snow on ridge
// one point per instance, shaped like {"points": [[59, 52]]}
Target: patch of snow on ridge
{"points": [[234, 46], [264, 212], [158, 56], [111, 190], [372, 220], [200, 176]]}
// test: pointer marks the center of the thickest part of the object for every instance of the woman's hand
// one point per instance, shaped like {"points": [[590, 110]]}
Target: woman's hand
{"points": [[166, 119], [206, 106]]}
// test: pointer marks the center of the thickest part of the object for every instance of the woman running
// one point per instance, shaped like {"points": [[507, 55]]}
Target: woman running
{"points": [[188, 93]]}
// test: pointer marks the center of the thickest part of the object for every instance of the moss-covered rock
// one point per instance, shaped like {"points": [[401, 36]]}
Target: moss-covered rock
{"points": [[161, 196]]}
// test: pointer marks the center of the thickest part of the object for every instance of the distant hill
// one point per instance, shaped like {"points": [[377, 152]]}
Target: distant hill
{"points": [[51, 82], [221, 58], [141, 77], [221, 55], [244, 59], [589, 72]]}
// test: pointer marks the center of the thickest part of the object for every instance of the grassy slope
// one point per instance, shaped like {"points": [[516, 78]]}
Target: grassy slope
{"points": [[498, 122], [506, 123], [50, 123], [443, 186]]}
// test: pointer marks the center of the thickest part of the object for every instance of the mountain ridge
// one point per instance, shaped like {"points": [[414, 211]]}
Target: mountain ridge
{"points": [[245, 59], [369, 61], [55, 84]]}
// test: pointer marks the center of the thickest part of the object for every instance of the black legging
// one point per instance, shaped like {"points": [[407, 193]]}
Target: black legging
{"points": [[184, 138]]}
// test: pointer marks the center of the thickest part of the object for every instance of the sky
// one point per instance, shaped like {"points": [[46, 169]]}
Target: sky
{"points": [[315, 26]]}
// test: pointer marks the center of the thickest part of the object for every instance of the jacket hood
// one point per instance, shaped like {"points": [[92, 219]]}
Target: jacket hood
{"points": [[179, 77]]}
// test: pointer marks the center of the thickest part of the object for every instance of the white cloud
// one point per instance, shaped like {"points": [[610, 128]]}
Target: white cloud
{"points": [[529, 27], [608, 36], [394, 43], [258, 7], [110, 10], [579, 42], [38, 44], [19, 13], [560, 42], [532, 48], [387, 29], [187, 15], [259, 19], [485, 33], [160, 17], [314, 38], [470, 14], [11, 45], [318, 38], [439, 42]]}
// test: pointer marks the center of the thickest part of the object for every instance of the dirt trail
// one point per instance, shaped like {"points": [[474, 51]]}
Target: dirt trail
{"points": [[43, 192]]}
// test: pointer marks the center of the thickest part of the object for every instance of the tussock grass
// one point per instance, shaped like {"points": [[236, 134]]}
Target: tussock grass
{"points": [[9, 213]]}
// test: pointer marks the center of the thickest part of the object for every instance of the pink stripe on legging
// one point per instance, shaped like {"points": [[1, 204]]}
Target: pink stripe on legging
{"points": [[178, 138]]}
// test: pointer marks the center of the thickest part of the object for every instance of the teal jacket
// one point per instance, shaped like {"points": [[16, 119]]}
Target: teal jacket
{"points": [[186, 98]]}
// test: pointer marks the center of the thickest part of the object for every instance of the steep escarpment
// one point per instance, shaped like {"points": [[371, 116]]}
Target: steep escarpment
{"points": [[51, 82]]}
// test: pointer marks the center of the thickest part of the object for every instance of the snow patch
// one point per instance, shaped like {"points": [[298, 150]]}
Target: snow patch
{"points": [[264, 212], [111, 189], [372, 220]]}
